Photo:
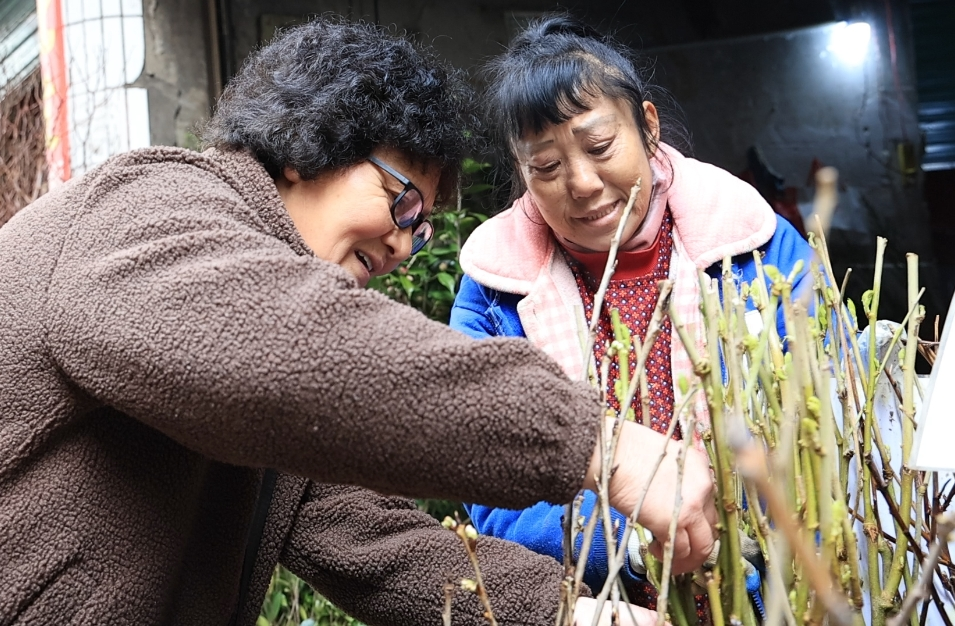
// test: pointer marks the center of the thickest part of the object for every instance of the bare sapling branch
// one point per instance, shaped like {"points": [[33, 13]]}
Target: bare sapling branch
{"points": [[621, 555], [900, 556], [751, 462], [946, 524], [663, 596], [468, 536], [574, 573], [608, 273], [449, 588]]}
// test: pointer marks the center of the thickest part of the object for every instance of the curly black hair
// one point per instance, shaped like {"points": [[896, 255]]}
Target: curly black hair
{"points": [[324, 94]]}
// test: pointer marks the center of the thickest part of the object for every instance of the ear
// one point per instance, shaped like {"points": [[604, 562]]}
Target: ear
{"points": [[652, 119], [291, 175]]}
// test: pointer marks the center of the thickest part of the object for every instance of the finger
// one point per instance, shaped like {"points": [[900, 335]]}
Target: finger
{"points": [[583, 611], [656, 549], [710, 514], [702, 536], [636, 615], [701, 539], [681, 546]]}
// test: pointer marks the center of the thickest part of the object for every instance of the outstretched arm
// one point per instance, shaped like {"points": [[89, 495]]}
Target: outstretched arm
{"points": [[385, 562], [189, 316]]}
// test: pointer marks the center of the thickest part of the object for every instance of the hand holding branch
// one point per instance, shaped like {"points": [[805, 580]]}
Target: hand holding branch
{"points": [[630, 615], [696, 523]]}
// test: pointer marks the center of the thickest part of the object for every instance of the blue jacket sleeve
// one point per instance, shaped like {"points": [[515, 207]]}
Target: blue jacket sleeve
{"points": [[783, 251], [471, 311], [482, 312], [539, 528]]}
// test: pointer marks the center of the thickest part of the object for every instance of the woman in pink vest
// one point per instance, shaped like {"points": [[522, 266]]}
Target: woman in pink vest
{"points": [[577, 121]]}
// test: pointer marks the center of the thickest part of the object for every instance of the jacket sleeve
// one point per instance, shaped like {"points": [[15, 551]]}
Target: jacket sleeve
{"points": [[173, 303], [540, 528], [472, 312], [385, 562], [783, 251], [482, 312]]}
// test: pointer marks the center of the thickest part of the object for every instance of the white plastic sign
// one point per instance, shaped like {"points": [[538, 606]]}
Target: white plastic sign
{"points": [[934, 446]]}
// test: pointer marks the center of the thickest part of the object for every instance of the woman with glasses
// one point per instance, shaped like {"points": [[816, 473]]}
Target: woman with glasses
{"points": [[579, 123], [195, 385]]}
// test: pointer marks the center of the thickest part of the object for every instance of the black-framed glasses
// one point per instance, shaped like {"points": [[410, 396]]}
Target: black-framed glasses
{"points": [[407, 210]]}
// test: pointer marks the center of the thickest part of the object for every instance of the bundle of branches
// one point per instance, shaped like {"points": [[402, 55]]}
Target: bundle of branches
{"points": [[795, 471], [22, 145], [806, 491]]}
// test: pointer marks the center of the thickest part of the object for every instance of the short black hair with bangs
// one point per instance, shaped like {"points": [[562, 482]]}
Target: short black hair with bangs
{"points": [[553, 69]]}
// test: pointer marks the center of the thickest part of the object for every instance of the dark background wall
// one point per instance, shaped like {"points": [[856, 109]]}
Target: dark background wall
{"points": [[747, 73], [789, 96]]}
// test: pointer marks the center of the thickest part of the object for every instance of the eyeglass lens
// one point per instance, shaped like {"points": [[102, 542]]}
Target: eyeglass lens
{"points": [[408, 208], [421, 235]]}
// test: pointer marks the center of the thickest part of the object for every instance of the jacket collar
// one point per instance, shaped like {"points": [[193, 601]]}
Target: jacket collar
{"points": [[241, 170], [714, 213]]}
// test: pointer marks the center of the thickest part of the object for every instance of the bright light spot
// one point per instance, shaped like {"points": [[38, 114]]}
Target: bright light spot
{"points": [[850, 42]]}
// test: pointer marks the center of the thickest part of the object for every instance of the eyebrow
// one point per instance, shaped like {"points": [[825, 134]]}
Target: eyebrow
{"points": [[586, 127]]}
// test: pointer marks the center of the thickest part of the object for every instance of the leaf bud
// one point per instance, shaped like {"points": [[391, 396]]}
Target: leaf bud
{"points": [[683, 384]]}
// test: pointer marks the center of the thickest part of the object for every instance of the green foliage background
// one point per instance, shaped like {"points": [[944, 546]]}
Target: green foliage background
{"points": [[428, 282]]}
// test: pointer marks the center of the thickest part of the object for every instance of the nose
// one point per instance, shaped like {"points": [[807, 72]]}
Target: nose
{"points": [[583, 179], [398, 244]]}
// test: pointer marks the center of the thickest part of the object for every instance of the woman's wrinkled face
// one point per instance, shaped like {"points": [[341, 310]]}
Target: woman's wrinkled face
{"points": [[345, 215], [580, 173]]}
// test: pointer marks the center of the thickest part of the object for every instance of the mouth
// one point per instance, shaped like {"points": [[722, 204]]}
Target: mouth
{"points": [[600, 213], [366, 261]]}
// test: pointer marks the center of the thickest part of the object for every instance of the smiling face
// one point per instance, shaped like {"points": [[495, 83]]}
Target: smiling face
{"points": [[580, 173], [345, 215]]}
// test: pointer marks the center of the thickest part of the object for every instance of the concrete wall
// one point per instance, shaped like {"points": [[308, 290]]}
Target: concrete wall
{"points": [[792, 98], [468, 31], [179, 74], [784, 93], [462, 32]]}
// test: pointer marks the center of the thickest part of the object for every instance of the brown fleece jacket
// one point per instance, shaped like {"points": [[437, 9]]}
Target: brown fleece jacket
{"points": [[165, 334]]}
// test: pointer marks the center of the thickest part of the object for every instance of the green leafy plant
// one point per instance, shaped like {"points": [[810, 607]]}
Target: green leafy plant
{"points": [[290, 601], [429, 280]]}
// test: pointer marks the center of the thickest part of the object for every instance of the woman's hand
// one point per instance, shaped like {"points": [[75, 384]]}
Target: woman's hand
{"points": [[637, 452], [586, 607]]}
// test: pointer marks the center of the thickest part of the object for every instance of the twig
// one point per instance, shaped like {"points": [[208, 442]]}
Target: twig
{"points": [[872, 555], [621, 555], [585, 548], [449, 588], [565, 610], [946, 523], [826, 198], [609, 451], [671, 532], [903, 521], [608, 272], [752, 463], [468, 536]]}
